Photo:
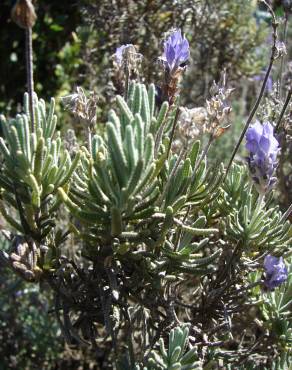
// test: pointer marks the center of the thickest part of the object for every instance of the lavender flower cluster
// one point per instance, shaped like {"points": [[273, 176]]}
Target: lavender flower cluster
{"points": [[176, 51], [263, 149], [276, 272]]}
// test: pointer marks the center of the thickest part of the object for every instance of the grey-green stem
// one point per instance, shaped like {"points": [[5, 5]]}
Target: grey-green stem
{"points": [[29, 72]]}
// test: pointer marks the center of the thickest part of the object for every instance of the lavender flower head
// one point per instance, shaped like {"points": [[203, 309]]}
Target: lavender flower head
{"points": [[176, 51], [276, 271], [263, 148]]}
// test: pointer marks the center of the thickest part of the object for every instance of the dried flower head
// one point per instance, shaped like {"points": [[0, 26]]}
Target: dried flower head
{"points": [[127, 56], [280, 49], [263, 149], [176, 51], [192, 122], [126, 65], [190, 126], [276, 271], [218, 107], [82, 106], [120, 51], [23, 14], [23, 257]]}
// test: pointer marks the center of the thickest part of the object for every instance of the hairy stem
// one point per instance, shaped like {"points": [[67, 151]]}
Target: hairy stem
{"points": [[177, 113], [283, 56], [288, 98], [29, 72]]}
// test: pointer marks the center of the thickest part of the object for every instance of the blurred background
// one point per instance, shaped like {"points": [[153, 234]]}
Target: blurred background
{"points": [[73, 46]]}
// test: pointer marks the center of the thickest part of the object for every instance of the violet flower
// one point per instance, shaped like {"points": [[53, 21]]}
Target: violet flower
{"points": [[176, 51], [276, 271], [263, 148]]}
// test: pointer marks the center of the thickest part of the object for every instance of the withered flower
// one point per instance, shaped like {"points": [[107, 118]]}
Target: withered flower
{"points": [[82, 106], [219, 108], [23, 14]]}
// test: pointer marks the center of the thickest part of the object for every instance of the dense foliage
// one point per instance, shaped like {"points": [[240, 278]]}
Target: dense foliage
{"points": [[149, 255]]}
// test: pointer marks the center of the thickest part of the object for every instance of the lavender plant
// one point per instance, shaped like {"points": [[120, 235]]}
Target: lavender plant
{"points": [[165, 245]]}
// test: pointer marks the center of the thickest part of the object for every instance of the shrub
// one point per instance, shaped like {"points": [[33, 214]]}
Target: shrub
{"points": [[156, 259]]}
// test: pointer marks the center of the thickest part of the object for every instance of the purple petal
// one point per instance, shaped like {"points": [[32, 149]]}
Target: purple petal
{"points": [[270, 262], [176, 50], [276, 271], [263, 148]]}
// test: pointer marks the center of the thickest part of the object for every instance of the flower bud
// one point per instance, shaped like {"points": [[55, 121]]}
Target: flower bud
{"points": [[23, 14]]}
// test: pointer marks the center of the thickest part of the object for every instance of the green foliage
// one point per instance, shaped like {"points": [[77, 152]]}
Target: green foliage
{"points": [[122, 182], [143, 218], [30, 337], [249, 220], [35, 165], [276, 310], [275, 318], [154, 255], [178, 356]]}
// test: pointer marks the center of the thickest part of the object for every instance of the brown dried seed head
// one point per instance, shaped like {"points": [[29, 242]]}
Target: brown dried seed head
{"points": [[20, 267], [15, 257], [23, 14], [21, 248], [29, 275]]}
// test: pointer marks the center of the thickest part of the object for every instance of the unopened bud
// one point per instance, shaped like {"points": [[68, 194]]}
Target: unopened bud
{"points": [[23, 14]]}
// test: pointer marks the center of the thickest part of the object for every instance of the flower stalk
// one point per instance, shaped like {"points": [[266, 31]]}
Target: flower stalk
{"points": [[29, 72], [274, 53]]}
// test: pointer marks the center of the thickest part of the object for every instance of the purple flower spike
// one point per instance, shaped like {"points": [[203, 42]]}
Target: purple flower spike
{"points": [[263, 148], [119, 53], [276, 271], [176, 51]]}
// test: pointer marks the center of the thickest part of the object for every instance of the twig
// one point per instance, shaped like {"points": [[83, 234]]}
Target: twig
{"points": [[283, 56], [288, 98], [159, 135], [177, 113], [129, 332]]}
